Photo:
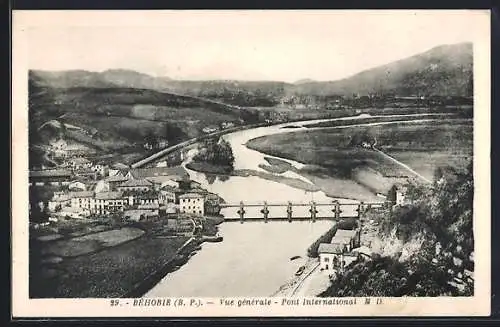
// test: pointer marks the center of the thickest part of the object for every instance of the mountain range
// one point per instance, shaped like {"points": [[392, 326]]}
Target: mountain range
{"points": [[444, 70]]}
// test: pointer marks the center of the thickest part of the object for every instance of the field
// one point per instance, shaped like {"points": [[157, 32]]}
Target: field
{"points": [[92, 242], [109, 273], [347, 168]]}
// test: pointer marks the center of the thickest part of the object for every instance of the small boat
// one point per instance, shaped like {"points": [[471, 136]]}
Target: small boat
{"points": [[295, 257], [300, 271]]}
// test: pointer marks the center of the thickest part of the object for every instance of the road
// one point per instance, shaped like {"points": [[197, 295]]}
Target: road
{"points": [[402, 165]]}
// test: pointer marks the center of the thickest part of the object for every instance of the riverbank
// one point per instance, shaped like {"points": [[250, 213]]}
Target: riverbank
{"points": [[290, 181], [128, 269], [205, 167]]}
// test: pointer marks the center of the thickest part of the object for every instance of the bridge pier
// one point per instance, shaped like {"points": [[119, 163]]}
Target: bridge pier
{"points": [[336, 210], [241, 212], [265, 211], [313, 212], [289, 212]]}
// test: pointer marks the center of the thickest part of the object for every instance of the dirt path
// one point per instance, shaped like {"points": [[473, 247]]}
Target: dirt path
{"points": [[403, 165], [294, 283]]}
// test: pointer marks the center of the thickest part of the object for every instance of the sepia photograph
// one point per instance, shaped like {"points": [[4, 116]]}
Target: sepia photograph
{"points": [[275, 161]]}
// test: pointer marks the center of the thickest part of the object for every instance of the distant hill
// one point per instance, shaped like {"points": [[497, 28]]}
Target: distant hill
{"points": [[444, 70], [304, 81]]}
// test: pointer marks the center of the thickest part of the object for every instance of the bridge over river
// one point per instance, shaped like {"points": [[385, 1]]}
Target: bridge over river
{"points": [[295, 211]]}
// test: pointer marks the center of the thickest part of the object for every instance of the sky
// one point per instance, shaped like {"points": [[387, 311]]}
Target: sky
{"points": [[241, 45]]}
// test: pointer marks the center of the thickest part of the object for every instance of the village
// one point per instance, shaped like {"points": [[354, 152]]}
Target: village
{"points": [[82, 189]]}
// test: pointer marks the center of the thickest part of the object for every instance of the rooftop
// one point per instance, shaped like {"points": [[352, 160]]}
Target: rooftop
{"points": [[330, 248], [400, 186], [341, 240], [191, 196], [168, 188], [82, 194], [108, 195], [119, 165], [149, 206], [162, 179], [61, 198], [135, 183], [50, 173], [158, 171], [79, 160], [345, 233], [363, 249], [116, 178]]}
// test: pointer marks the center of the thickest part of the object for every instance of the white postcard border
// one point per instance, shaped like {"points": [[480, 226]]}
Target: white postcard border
{"points": [[478, 305]]}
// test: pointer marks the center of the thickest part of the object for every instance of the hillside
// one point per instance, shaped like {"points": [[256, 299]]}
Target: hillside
{"points": [[444, 70], [117, 118]]}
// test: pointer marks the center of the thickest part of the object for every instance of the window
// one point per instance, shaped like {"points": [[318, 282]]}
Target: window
{"points": [[326, 259], [200, 211]]}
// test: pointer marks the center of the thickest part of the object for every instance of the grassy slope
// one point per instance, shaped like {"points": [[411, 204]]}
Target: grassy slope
{"points": [[122, 116]]}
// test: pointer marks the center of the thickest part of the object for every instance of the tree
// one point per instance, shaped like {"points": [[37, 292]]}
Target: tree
{"points": [[441, 214], [216, 153]]}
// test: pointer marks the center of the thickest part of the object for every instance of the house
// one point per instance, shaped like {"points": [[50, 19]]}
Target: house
{"points": [[153, 208], [210, 129], [118, 168], [81, 199], [167, 195], [335, 257], [114, 181], [108, 202], [162, 144], [138, 215], [77, 186], [397, 194], [135, 199], [59, 201], [193, 203], [79, 163], [169, 183], [101, 169], [72, 212], [168, 210], [351, 237], [49, 177], [138, 185], [227, 124], [101, 186], [87, 173]]}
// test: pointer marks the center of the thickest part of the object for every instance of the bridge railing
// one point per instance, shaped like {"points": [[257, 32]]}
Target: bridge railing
{"points": [[316, 210]]}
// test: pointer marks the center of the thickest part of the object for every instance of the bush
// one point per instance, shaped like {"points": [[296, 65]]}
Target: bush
{"points": [[312, 251]]}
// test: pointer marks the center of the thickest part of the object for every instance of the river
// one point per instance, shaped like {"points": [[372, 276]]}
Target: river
{"points": [[254, 258]]}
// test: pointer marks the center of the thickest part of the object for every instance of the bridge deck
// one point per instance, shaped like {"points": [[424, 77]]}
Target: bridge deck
{"points": [[317, 204], [236, 219]]}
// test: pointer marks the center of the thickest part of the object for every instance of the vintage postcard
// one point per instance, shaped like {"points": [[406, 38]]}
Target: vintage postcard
{"points": [[251, 163]]}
